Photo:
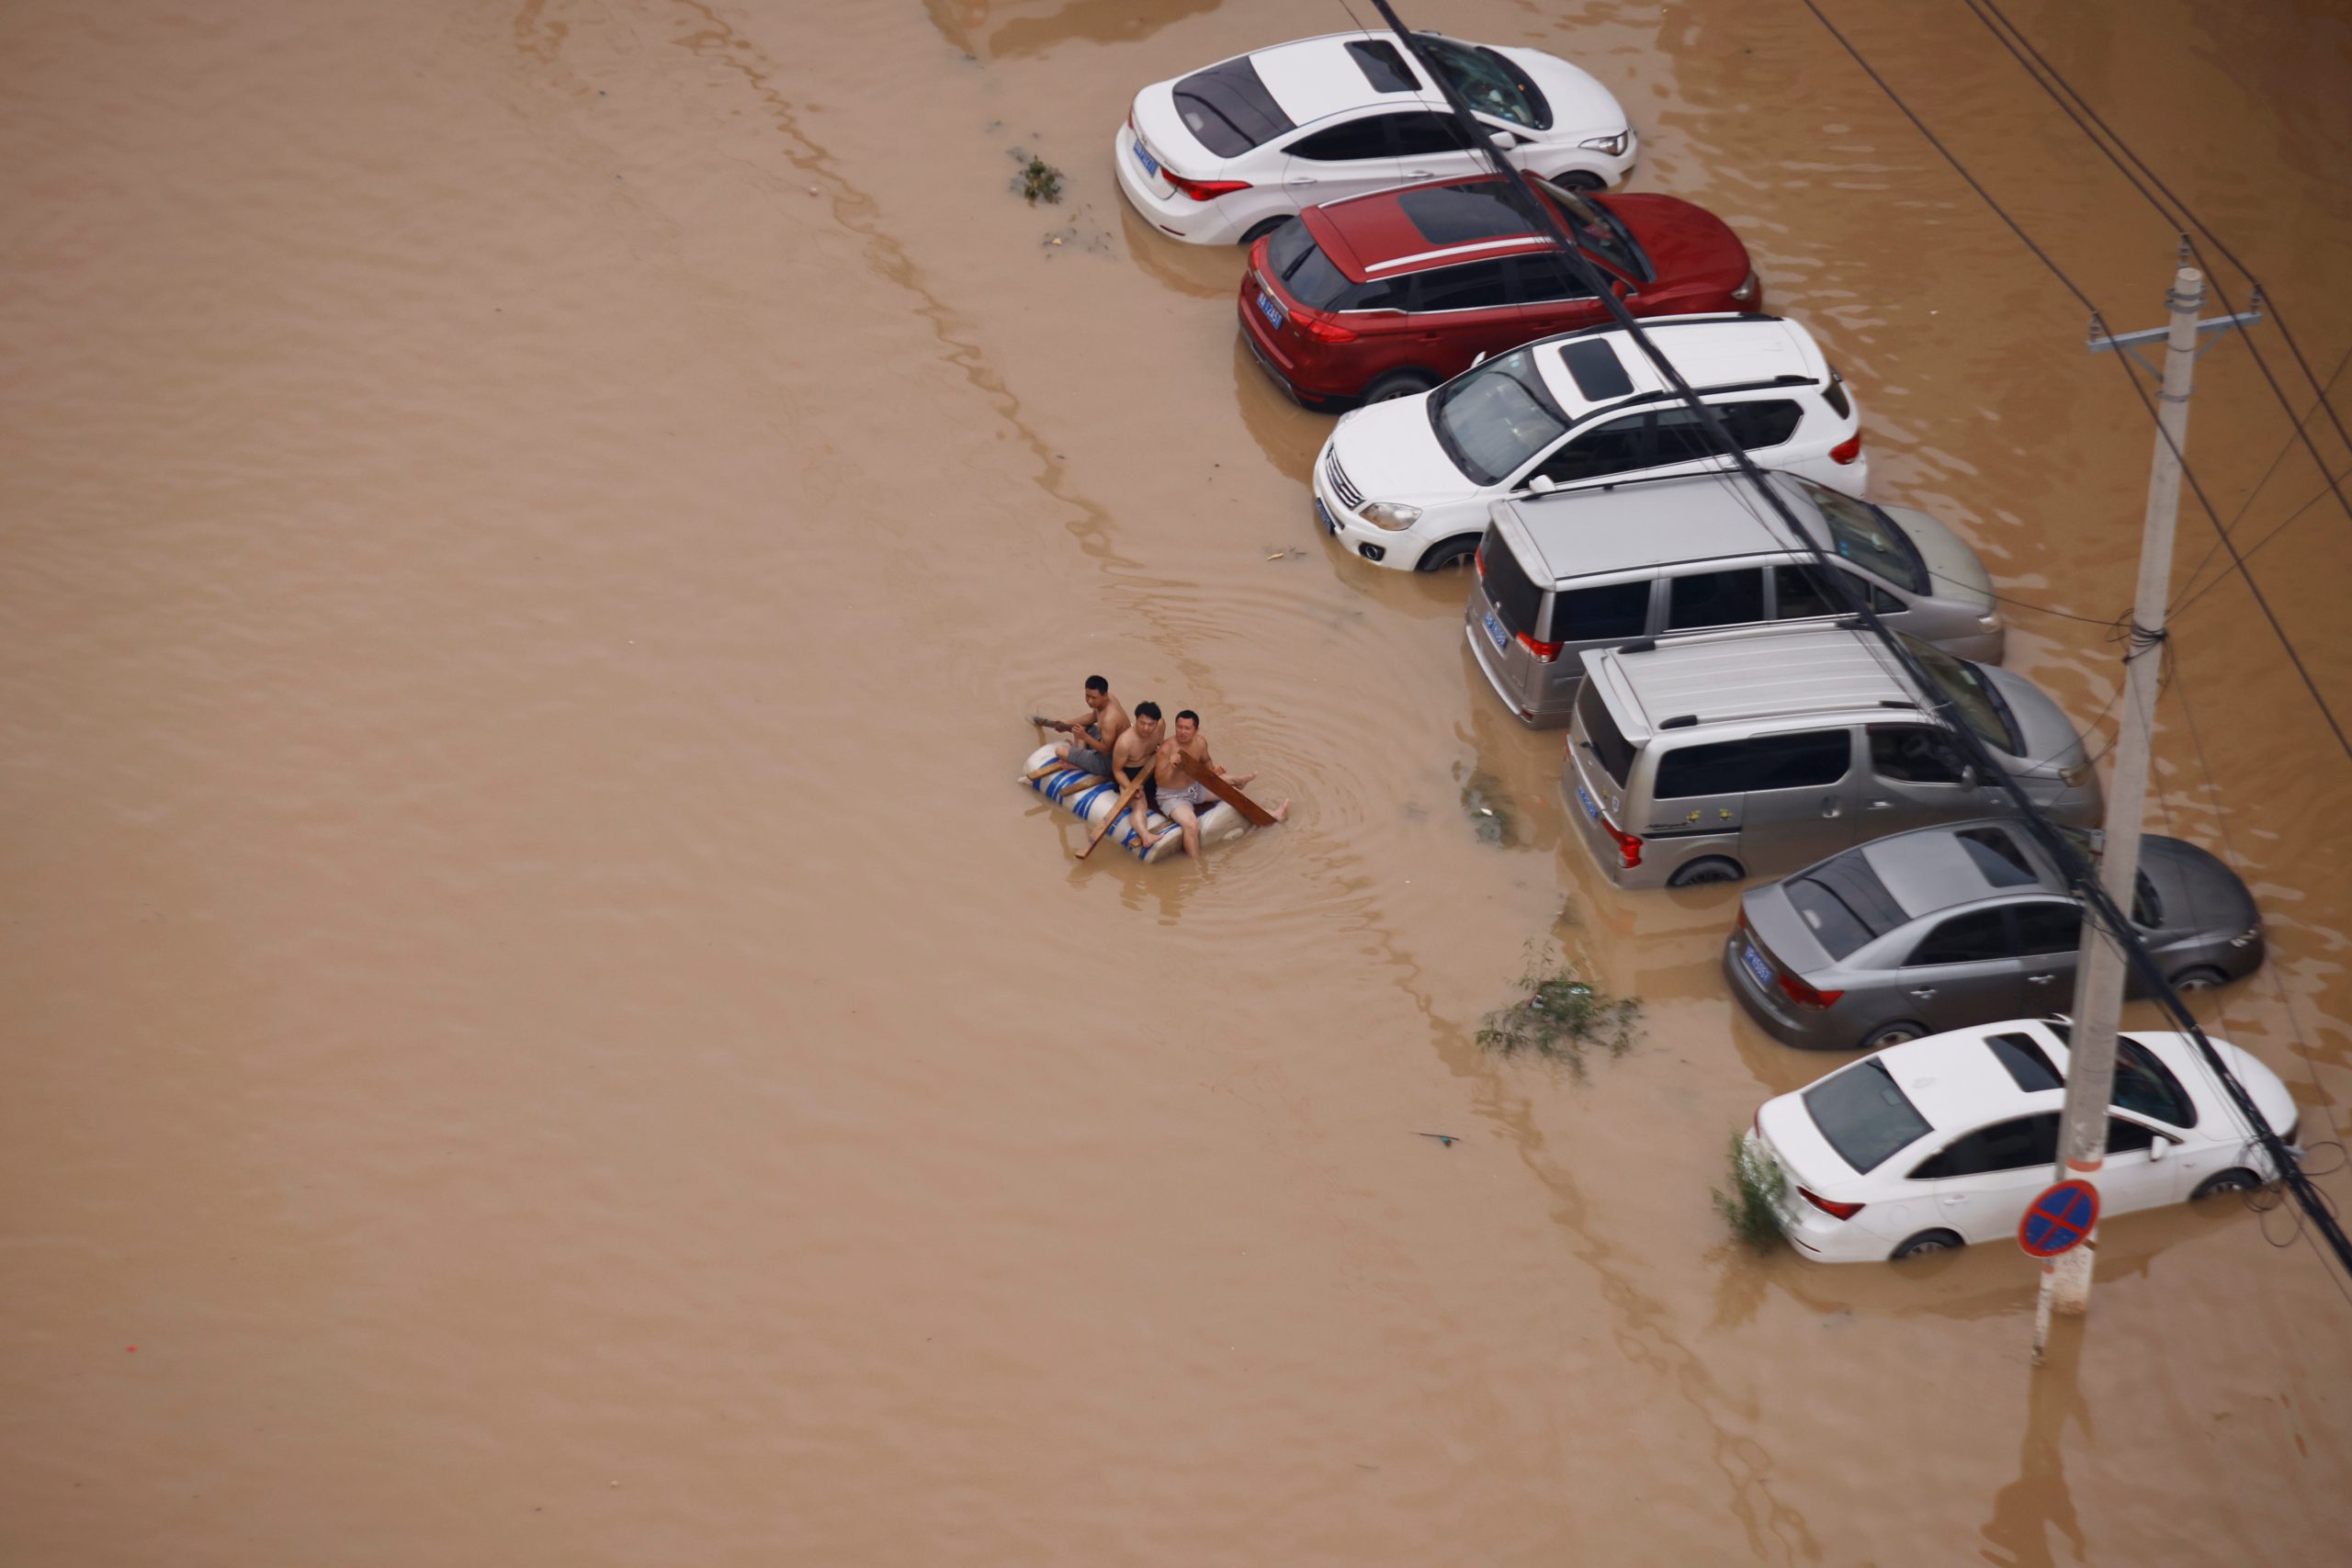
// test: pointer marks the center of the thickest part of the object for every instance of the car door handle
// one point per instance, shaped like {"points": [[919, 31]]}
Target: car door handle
{"points": [[1923, 992], [2040, 979], [1300, 180], [1422, 174], [1881, 806]]}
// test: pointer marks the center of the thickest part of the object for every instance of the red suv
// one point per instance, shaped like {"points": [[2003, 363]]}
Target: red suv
{"points": [[1387, 295]]}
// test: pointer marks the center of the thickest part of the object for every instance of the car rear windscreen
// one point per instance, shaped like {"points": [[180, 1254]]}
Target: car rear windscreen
{"points": [[1864, 1116], [1843, 903], [1517, 600], [1305, 273], [1605, 743], [1227, 108]]}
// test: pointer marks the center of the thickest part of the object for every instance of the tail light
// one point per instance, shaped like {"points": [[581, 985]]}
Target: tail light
{"points": [[1834, 1209], [1629, 846], [1320, 327], [1202, 190], [1544, 652], [1846, 451], [1805, 996]]}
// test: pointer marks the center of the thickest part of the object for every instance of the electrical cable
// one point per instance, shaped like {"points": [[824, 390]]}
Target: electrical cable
{"points": [[2237, 559], [2255, 548], [1888, 647], [2189, 582]]}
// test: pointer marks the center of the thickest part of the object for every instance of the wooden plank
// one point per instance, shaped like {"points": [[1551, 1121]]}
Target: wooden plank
{"points": [[1251, 812], [1118, 807]]}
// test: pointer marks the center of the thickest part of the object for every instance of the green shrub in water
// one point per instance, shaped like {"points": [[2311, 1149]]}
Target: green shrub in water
{"points": [[1561, 1016], [1039, 181], [1758, 1183]]}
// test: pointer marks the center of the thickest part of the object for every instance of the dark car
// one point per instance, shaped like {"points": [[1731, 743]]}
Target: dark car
{"points": [[1948, 927], [1387, 295]]}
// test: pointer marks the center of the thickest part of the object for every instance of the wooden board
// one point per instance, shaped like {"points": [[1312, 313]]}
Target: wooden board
{"points": [[1251, 812]]}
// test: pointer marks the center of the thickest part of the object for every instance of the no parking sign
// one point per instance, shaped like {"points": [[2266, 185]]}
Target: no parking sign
{"points": [[2059, 1220]]}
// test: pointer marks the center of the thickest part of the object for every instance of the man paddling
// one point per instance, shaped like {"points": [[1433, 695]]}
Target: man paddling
{"points": [[1092, 734], [1182, 758]]}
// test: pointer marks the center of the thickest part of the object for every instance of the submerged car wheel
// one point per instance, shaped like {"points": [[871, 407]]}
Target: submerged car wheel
{"points": [[1580, 179], [2237, 1179], [1705, 870], [1454, 552], [1879, 1039], [1398, 384], [1258, 232], [2203, 977], [1926, 1241]]}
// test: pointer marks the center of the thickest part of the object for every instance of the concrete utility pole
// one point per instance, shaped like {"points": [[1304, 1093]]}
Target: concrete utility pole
{"points": [[2098, 984]]}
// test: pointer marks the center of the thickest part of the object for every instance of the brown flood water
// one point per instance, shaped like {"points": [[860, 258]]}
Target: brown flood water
{"points": [[538, 1029]]}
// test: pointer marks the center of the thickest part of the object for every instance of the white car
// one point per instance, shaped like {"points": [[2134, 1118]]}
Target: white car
{"points": [[1409, 483], [1945, 1140], [1228, 153]]}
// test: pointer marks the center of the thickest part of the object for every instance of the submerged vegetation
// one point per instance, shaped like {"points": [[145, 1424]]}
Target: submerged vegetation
{"points": [[1757, 1184], [1487, 805], [1038, 180], [1561, 1016]]}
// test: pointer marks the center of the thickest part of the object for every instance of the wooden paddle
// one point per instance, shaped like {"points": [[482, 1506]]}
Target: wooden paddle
{"points": [[1118, 805], [1251, 812]]}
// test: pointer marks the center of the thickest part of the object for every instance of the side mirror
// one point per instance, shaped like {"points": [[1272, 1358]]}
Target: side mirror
{"points": [[1504, 140], [1542, 484], [1475, 363], [1968, 773], [2159, 1146]]}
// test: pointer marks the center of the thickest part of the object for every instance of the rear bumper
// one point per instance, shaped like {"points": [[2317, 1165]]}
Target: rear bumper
{"points": [[1269, 360], [1776, 1021], [1179, 217]]}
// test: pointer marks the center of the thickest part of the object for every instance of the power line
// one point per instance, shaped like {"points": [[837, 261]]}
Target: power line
{"points": [[2256, 548], [2085, 882], [2247, 505], [2068, 101]]}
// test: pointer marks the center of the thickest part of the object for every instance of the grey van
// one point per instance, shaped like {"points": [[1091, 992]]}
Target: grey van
{"points": [[1753, 752], [1562, 573]]}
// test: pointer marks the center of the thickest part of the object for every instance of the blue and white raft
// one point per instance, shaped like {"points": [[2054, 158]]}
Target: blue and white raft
{"points": [[1089, 799]]}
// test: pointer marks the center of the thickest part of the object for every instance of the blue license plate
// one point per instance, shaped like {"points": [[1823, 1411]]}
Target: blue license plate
{"points": [[1323, 515], [1271, 312], [1495, 632], [1591, 806], [1756, 964], [1143, 156]]}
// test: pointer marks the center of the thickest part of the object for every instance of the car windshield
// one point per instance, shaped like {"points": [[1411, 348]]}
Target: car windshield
{"points": [[1970, 693], [1602, 232], [1227, 108], [1868, 538], [1493, 419], [1311, 277], [1490, 83], [1865, 1117], [2147, 907]]}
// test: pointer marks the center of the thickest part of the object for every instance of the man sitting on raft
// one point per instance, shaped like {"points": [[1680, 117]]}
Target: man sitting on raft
{"points": [[1138, 748], [1182, 756], [1092, 734]]}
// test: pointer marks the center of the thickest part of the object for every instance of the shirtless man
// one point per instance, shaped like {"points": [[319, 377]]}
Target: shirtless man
{"points": [[1182, 756], [1092, 734], [1137, 751]]}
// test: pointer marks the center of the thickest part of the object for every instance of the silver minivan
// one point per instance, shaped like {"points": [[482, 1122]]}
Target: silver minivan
{"points": [[1752, 753], [1560, 574]]}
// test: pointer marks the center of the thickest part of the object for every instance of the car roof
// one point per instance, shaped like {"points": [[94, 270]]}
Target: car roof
{"points": [[1958, 1083], [1410, 228], [1933, 869], [1315, 78], [1651, 522], [1795, 671], [1708, 351]]}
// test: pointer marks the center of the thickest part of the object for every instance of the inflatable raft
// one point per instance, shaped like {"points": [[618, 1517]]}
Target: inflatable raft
{"points": [[1089, 799]]}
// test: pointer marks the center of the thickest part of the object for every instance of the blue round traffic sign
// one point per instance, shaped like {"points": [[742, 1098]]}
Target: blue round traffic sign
{"points": [[2059, 1220]]}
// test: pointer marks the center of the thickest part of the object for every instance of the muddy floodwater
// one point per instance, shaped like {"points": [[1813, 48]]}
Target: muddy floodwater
{"points": [[538, 1028]]}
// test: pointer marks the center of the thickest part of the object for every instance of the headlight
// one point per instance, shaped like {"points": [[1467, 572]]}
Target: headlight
{"points": [[2076, 776], [1990, 622], [1614, 145], [1747, 290], [1389, 514], [2245, 937]]}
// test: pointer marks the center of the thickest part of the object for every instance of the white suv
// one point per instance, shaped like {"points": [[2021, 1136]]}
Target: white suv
{"points": [[1407, 483], [1228, 154]]}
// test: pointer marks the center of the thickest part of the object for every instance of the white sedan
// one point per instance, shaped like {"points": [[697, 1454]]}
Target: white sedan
{"points": [[1945, 1140], [1230, 153]]}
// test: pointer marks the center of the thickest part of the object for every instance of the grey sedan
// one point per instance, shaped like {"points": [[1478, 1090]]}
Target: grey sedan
{"points": [[1964, 924]]}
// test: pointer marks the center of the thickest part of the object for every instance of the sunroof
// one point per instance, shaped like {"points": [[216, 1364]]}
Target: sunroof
{"points": [[1383, 67], [2027, 1063], [1455, 216], [1598, 374]]}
